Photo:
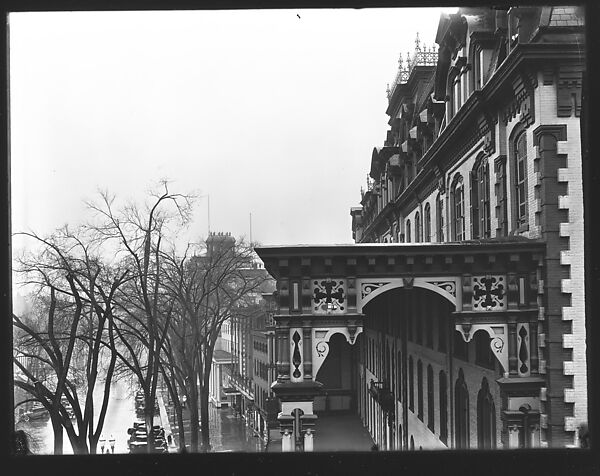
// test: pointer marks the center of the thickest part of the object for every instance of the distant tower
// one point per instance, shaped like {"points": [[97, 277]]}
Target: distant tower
{"points": [[217, 242]]}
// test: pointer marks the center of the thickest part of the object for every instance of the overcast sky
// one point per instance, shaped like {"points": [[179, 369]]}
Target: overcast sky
{"points": [[272, 113]]}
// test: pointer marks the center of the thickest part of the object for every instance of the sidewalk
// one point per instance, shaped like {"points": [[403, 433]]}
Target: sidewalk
{"points": [[165, 423], [333, 432]]}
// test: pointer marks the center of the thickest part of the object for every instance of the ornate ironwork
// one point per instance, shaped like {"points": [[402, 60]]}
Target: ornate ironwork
{"points": [[322, 347], [329, 295], [448, 286], [523, 353], [488, 292], [368, 288], [296, 358], [422, 56]]}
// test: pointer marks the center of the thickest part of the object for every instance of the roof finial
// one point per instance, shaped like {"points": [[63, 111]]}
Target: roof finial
{"points": [[417, 41], [400, 61]]}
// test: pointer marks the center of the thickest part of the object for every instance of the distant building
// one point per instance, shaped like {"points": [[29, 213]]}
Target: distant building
{"points": [[251, 371], [242, 366], [457, 320]]}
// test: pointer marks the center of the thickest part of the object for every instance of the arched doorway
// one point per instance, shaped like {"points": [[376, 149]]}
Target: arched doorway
{"points": [[461, 411], [486, 417], [337, 376], [406, 334]]}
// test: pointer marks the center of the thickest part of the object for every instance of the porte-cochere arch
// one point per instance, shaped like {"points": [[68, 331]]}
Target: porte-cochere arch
{"points": [[447, 287], [492, 285]]}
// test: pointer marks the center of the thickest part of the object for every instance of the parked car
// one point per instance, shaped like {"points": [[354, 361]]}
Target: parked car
{"points": [[37, 412]]}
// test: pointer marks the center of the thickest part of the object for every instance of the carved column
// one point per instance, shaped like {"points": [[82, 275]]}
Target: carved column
{"points": [[512, 346], [283, 353], [533, 345], [307, 354]]}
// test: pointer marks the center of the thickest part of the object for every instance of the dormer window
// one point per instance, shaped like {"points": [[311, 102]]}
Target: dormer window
{"points": [[458, 209], [457, 93]]}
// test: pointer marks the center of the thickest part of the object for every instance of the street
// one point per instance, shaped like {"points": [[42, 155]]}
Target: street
{"points": [[119, 417], [228, 432]]}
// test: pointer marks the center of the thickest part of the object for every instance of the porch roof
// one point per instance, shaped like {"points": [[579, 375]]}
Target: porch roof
{"points": [[279, 258]]}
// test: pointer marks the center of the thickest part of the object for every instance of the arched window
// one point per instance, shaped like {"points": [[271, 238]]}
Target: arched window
{"points": [[461, 411], [461, 348], [519, 174], [430, 399], [480, 199], [412, 443], [486, 417], [387, 371], [443, 389], [500, 167], [399, 377], [411, 384], [429, 322], [439, 212], [427, 224], [457, 96], [408, 238], [442, 330], [458, 209], [420, 390], [483, 351], [417, 227]]}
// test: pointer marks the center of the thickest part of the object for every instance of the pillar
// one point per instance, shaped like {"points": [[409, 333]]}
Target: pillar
{"points": [[286, 442], [512, 346], [308, 440]]}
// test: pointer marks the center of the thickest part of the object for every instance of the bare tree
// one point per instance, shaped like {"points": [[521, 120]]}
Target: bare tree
{"points": [[67, 334], [207, 288], [138, 234]]}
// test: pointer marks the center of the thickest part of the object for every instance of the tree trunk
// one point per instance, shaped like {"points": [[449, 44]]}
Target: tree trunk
{"points": [[181, 429], [204, 422], [149, 419], [57, 430], [193, 407]]}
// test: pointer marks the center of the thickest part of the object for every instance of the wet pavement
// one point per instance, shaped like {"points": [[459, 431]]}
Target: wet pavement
{"points": [[228, 432], [120, 416], [334, 432]]}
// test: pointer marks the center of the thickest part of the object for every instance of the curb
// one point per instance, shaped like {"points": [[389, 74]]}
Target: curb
{"points": [[164, 419]]}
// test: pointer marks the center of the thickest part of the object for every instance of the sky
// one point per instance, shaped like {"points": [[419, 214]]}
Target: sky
{"points": [[269, 116]]}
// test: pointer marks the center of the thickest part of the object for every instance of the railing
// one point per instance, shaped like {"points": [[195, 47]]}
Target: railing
{"points": [[422, 56]]}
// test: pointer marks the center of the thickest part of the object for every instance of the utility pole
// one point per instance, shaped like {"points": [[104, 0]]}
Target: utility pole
{"points": [[250, 228]]}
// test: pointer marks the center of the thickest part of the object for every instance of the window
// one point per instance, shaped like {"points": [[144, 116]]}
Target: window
{"points": [[443, 389], [439, 211], [479, 68], [480, 199], [457, 94], [430, 399], [427, 223], [486, 418], [417, 227], [520, 181], [411, 384], [442, 330], [483, 352], [461, 348], [408, 231], [461, 411], [502, 209], [399, 377], [420, 390], [429, 328], [409, 325], [458, 210]]}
